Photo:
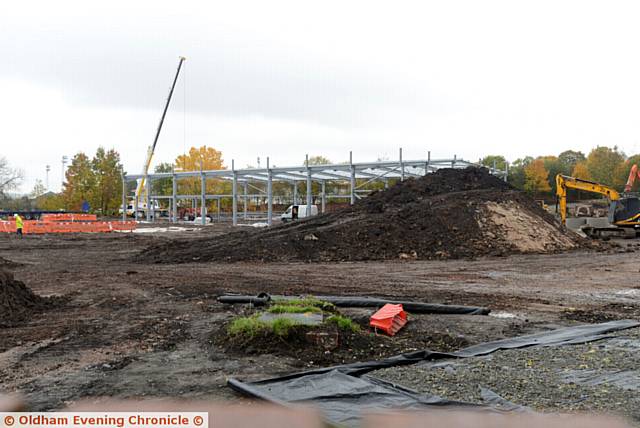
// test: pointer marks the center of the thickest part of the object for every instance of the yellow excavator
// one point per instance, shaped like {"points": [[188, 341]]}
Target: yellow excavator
{"points": [[624, 210]]}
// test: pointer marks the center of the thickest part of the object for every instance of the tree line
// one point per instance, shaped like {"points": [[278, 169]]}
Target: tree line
{"points": [[604, 165], [96, 183]]}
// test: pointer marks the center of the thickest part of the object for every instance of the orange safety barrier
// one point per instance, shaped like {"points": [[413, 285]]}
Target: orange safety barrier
{"points": [[41, 227], [68, 217], [390, 319]]}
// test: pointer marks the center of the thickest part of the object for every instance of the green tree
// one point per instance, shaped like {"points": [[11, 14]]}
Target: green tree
{"points": [[603, 164], [79, 185], [497, 161], [107, 172], [568, 159], [536, 177], [317, 160], [38, 190], [163, 186], [517, 176], [50, 202]]}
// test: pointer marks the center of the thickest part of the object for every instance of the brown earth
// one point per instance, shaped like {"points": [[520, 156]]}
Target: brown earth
{"points": [[452, 213], [129, 329], [17, 301]]}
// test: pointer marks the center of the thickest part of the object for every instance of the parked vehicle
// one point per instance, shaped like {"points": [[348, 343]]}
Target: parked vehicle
{"points": [[295, 212]]}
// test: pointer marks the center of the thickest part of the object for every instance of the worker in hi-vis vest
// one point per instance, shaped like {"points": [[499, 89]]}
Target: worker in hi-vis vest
{"points": [[19, 225]]}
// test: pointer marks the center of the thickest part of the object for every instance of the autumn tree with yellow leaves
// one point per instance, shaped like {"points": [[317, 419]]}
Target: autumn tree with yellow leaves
{"points": [[536, 177]]}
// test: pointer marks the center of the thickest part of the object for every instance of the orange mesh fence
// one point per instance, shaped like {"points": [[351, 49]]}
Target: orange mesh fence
{"points": [[40, 227], [68, 217]]}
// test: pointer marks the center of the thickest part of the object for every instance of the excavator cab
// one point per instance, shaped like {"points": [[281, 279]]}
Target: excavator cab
{"points": [[625, 211]]}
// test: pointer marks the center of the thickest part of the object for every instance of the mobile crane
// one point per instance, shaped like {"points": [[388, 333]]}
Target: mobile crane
{"points": [[624, 210], [141, 190]]}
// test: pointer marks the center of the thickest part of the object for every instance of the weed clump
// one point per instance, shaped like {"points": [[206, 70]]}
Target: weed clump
{"points": [[246, 326], [343, 323]]}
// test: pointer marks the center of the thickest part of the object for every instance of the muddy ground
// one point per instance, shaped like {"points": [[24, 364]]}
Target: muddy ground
{"points": [[129, 329]]}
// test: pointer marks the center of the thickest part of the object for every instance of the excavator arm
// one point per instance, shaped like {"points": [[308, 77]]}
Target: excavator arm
{"points": [[564, 182], [633, 174]]}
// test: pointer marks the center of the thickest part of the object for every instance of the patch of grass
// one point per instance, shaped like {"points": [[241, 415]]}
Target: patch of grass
{"points": [[282, 326], [246, 326], [307, 302], [343, 323], [292, 309], [250, 327]]}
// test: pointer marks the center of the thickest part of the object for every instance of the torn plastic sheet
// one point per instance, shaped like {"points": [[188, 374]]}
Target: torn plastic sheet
{"points": [[364, 302], [342, 393], [624, 379]]}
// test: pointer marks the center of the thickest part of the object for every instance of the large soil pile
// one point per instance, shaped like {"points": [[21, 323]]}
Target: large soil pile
{"points": [[17, 301], [452, 213]]}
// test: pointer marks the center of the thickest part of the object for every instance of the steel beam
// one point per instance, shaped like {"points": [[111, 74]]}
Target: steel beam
{"points": [[148, 185], [234, 191], [246, 201], [135, 207], [295, 193], [124, 198], [309, 188], [174, 199], [269, 195], [203, 199], [352, 181]]}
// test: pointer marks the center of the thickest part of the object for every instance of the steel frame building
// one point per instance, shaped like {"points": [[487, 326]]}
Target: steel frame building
{"points": [[349, 173]]}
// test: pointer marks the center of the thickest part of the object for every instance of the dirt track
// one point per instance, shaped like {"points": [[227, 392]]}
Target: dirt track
{"points": [[135, 330]]}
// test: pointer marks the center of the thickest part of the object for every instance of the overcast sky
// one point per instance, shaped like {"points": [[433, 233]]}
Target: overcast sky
{"points": [[283, 79]]}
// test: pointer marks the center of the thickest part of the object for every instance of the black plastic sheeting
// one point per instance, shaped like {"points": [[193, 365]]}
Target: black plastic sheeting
{"points": [[363, 302], [342, 393]]}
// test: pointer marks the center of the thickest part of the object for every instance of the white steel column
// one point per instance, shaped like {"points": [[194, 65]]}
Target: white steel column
{"points": [[269, 195], [124, 198], [309, 196], [203, 199], [174, 198], [234, 194], [352, 181], [324, 196], [246, 199], [148, 186], [401, 166]]}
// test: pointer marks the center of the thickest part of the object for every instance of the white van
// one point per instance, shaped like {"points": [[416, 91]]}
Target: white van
{"points": [[295, 212]]}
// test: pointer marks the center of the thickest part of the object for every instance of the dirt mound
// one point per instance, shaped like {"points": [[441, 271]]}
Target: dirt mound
{"points": [[452, 213], [17, 301]]}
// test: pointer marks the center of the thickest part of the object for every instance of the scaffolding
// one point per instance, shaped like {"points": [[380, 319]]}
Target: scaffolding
{"points": [[356, 174]]}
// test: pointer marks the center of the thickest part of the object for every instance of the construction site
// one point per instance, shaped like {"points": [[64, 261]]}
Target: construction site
{"points": [[218, 312], [370, 291]]}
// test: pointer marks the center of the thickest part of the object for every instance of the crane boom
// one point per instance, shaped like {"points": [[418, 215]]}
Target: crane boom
{"points": [[140, 189]]}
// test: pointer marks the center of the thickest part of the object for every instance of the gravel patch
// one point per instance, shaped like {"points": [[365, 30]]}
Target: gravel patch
{"points": [[601, 377]]}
